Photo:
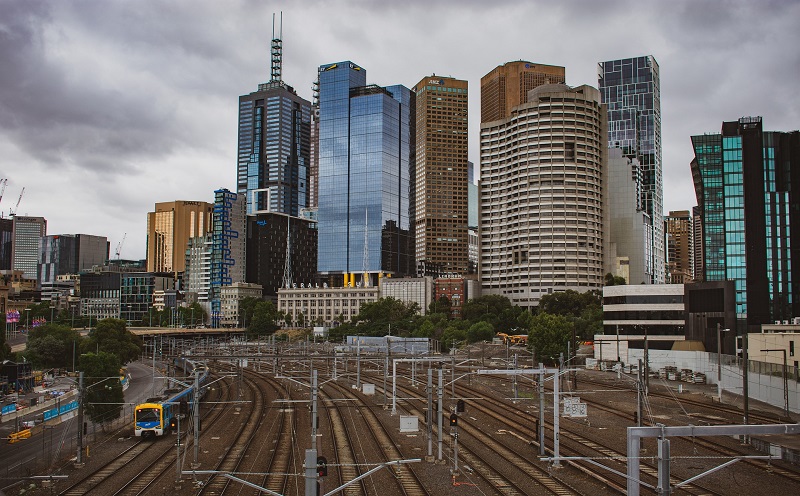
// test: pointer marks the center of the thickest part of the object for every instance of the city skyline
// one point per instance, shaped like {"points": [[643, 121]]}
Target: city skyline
{"points": [[108, 108]]}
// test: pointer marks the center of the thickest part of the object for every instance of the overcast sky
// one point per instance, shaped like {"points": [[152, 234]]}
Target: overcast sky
{"points": [[107, 107]]}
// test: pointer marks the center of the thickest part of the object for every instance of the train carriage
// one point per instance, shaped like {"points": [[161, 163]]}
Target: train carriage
{"points": [[154, 418]]}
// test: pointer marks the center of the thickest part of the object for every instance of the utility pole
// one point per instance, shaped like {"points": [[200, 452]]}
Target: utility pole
{"points": [[541, 410], [79, 459], [196, 415], [440, 393]]}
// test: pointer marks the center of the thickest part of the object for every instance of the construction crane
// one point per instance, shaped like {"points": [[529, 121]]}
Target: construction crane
{"points": [[13, 212], [3, 190], [119, 246]]}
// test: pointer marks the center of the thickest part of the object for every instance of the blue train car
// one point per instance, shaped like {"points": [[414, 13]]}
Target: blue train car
{"points": [[155, 418]]}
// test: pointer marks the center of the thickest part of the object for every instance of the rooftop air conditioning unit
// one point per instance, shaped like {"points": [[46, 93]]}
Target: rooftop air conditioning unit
{"points": [[795, 320]]}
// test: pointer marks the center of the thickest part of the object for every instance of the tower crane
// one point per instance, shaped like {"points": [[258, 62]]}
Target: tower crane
{"points": [[13, 212], [119, 246], [3, 189]]}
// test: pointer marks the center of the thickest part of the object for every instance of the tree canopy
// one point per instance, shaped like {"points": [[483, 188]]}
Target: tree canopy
{"points": [[103, 396], [549, 336], [51, 346], [263, 318], [112, 336]]}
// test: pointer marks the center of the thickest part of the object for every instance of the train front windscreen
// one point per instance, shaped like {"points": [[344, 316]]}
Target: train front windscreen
{"points": [[148, 418]]}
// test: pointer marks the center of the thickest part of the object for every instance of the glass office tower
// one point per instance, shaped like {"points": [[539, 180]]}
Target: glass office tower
{"points": [[631, 92], [744, 178], [366, 157], [274, 140]]}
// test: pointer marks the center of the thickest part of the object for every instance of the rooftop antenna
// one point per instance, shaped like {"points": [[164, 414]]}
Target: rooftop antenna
{"points": [[287, 268], [277, 50]]}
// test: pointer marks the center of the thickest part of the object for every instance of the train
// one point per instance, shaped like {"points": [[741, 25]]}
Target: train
{"points": [[154, 418]]}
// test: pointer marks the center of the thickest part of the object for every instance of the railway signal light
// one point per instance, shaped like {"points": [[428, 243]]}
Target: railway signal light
{"points": [[636, 417], [173, 423], [184, 406], [461, 406], [322, 466], [453, 420]]}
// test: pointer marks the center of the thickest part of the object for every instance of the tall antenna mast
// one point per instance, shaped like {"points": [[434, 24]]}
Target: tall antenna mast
{"points": [[287, 268], [277, 51]]}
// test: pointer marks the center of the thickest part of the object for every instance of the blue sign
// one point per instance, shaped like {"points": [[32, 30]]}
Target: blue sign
{"points": [[9, 408], [55, 412]]}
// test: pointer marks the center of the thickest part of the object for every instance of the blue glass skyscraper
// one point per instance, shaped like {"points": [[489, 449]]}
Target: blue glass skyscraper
{"points": [[746, 182], [366, 159], [274, 141], [631, 92]]}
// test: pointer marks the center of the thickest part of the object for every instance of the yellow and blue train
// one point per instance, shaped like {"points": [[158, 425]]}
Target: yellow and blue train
{"points": [[154, 418]]}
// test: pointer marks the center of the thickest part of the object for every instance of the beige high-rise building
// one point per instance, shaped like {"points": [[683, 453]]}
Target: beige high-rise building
{"points": [[542, 196], [507, 86], [169, 229], [678, 226], [442, 208]]}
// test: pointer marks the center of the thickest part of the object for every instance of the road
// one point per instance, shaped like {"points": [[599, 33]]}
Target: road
{"points": [[58, 439]]}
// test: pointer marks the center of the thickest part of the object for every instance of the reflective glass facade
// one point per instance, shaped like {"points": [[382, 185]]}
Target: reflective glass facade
{"points": [[366, 157], [631, 92], [273, 158], [743, 182]]}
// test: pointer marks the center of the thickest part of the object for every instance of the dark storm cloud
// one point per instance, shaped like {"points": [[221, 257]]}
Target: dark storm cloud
{"points": [[100, 88]]}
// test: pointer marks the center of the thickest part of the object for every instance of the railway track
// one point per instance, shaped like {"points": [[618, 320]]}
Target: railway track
{"points": [[501, 475], [409, 482], [234, 453]]}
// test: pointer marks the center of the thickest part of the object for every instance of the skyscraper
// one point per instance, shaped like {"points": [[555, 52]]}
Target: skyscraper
{"points": [[679, 246], [62, 254], [228, 248], [442, 209], [630, 240], [746, 182], [508, 85], [28, 231], [274, 139], [366, 161], [6, 242], [631, 93], [168, 231], [542, 196]]}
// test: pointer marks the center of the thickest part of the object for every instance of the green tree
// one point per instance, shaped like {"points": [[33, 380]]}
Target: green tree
{"points": [[487, 305], [442, 305], [262, 321], [589, 323], [451, 336], [113, 336], [480, 331], [103, 397], [612, 280], [51, 346], [568, 302], [549, 336], [193, 315]]}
